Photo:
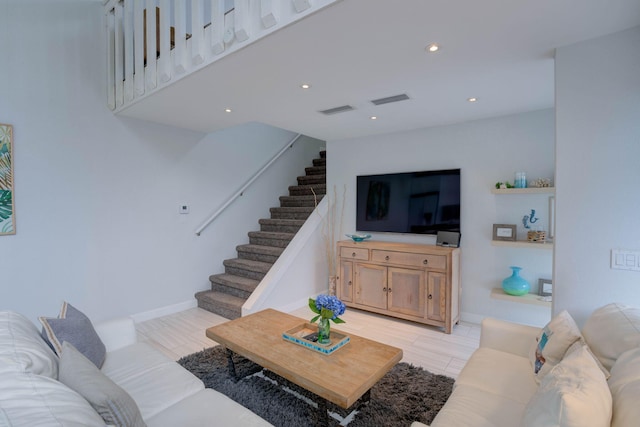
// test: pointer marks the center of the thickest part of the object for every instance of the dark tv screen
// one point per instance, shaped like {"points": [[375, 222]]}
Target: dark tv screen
{"points": [[409, 202]]}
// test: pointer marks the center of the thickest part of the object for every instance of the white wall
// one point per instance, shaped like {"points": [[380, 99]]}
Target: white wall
{"points": [[97, 196], [486, 151], [598, 171]]}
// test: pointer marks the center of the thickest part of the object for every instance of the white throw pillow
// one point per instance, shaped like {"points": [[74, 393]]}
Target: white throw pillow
{"points": [[624, 384], [113, 404], [611, 330], [22, 349], [552, 343], [573, 394]]}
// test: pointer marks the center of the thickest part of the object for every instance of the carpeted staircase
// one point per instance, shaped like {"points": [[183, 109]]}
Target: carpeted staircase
{"points": [[242, 275]]}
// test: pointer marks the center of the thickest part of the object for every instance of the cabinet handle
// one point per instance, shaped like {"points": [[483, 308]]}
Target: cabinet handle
{"points": [[389, 290], [386, 258], [430, 296], [349, 283], [425, 262], [353, 255], [384, 289]]}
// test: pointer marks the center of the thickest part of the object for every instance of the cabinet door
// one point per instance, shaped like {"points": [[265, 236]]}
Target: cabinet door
{"points": [[436, 296], [406, 291], [371, 285], [345, 281]]}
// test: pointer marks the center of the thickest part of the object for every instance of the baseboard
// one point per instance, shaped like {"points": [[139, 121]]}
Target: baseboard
{"points": [[164, 311], [471, 318]]}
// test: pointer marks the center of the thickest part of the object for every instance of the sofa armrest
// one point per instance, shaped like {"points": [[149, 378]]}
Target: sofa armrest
{"points": [[507, 336], [117, 333]]}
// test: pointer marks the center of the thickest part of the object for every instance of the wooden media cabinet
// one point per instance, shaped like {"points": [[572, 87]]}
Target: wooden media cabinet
{"points": [[409, 281]]}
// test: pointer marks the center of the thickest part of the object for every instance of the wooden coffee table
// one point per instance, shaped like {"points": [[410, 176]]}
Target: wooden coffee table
{"points": [[341, 377]]}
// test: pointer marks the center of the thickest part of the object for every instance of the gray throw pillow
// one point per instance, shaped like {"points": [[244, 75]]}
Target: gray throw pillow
{"points": [[73, 326], [115, 406]]}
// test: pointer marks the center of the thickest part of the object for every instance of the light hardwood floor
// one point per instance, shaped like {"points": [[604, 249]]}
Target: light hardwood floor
{"points": [[183, 333]]}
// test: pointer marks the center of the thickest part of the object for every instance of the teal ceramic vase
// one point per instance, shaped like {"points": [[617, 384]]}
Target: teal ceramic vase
{"points": [[514, 284]]}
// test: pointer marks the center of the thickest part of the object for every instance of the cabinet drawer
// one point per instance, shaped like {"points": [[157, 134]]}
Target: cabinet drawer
{"points": [[410, 259], [354, 253]]}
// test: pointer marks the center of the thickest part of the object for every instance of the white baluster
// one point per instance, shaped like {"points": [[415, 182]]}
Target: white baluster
{"points": [[111, 58], [119, 54], [180, 51], [241, 19], [164, 63], [152, 49], [138, 49], [197, 32], [217, 26], [128, 50], [269, 12], [301, 5]]}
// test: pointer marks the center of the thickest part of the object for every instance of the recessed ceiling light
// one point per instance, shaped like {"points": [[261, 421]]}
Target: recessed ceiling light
{"points": [[472, 99], [433, 47], [373, 118], [227, 110], [305, 86]]}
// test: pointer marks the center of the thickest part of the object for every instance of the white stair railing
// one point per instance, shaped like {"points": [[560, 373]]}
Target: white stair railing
{"points": [[152, 43], [246, 185]]}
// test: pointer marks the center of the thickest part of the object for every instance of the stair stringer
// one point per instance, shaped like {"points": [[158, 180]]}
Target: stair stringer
{"points": [[299, 273]]}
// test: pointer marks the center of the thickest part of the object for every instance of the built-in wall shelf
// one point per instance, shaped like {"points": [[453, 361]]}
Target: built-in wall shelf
{"points": [[531, 190], [522, 244], [531, 299]]}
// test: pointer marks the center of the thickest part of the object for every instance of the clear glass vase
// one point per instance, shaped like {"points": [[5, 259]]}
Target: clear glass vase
{"points": [[324, 330]]}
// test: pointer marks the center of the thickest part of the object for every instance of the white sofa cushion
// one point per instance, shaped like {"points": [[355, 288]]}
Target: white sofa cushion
{"points": [[114, 405], [474, 407], [22, 349], [74, 326], [197, 411], [153, 380], [611, 330], [573, 394], [624, 384], [29, 400], [552, 343], [499, 373]]}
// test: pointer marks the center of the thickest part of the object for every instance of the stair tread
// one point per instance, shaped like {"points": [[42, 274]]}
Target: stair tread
{"points": [[221, 297], [272, 235], [282, 221], [248, 264], [260, 249], [244, 282]]}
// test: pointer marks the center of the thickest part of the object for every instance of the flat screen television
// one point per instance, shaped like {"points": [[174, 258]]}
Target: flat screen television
{"points": [[409, 202]]}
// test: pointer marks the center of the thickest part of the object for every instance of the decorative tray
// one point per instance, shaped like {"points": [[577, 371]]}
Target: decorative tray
{"points": [[303, 335]]}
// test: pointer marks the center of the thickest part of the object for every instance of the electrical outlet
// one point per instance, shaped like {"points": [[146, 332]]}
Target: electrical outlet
{"points": [[183, 209]]}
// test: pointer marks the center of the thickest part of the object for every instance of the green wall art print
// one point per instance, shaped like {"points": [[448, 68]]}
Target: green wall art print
{"points": [[7, 207]]}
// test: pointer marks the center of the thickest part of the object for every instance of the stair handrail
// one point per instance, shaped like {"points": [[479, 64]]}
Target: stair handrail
{"points": [[246, 185]]}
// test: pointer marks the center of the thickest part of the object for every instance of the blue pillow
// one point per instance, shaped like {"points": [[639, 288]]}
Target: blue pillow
{"points": [[73, 326]]}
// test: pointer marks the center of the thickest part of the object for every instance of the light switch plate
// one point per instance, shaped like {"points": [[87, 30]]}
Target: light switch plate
{"points": [[624, 259]]}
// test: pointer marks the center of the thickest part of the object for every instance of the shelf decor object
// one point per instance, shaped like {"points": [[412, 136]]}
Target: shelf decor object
{"points": [[514, 284], [306, 335], [504, 232], [358, 237]]}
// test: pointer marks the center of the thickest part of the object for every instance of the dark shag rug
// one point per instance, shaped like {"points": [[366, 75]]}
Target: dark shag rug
{"points": [[405, 394]]}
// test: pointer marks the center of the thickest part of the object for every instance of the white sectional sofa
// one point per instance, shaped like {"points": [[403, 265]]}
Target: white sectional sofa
{"points": [[165, 393], [589, 378]]}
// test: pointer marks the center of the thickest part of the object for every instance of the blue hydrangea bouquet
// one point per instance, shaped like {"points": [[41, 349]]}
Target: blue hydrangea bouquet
{"points": [[327, 307]]}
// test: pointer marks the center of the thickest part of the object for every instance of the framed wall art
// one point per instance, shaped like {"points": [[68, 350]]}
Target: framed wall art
{"points": [[7, 196]]}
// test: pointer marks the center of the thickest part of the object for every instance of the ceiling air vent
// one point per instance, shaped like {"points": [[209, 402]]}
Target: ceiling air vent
{"points": [[389, 99], [336, 110]]}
